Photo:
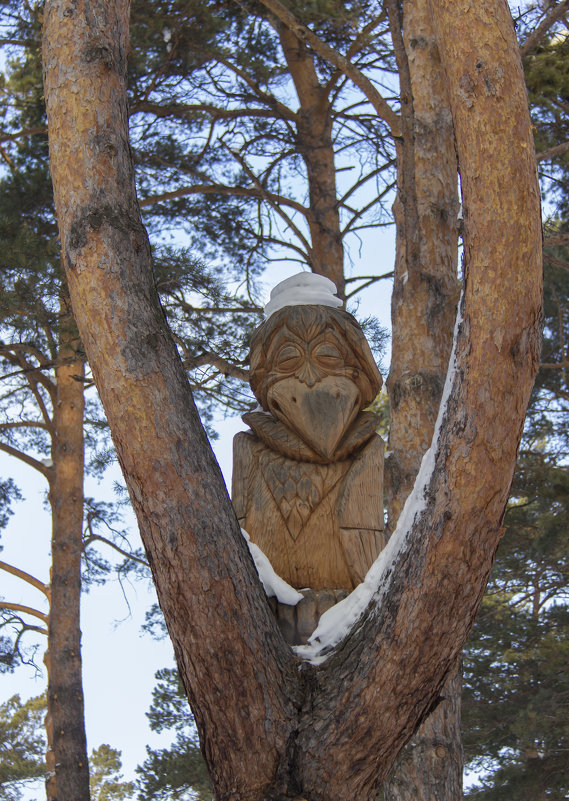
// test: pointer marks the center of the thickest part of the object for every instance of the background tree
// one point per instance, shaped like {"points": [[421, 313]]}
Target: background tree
{"points": [[172, 772], [22, 745], [106, 778], [243, 127], [22, 754], [44, 414], [516, 705], [43, 402], [515, 736]]}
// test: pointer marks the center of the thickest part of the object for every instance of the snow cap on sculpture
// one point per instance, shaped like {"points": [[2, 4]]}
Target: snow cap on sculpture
{"points": [[303, 289]]}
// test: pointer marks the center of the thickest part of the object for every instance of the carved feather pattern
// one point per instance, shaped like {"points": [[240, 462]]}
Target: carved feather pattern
{"points": [[297, 487]]}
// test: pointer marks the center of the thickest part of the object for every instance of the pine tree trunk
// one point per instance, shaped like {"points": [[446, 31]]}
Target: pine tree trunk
{"points": [[314, 132], [430, 766], [424, 302], [425, 290], [67, 762]]}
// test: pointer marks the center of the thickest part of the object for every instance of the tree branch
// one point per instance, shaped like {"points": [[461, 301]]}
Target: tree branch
{"points": [[225, 367], [6, 137], [275, 205], [97, 537], [372, 279], [220, 189], [382, 108], [27, 577], [24, 424], [556, 240], [280, 108], [29, 460], [181, 111], [556, 262], [553, 152], [27, 610], [536, 37]]}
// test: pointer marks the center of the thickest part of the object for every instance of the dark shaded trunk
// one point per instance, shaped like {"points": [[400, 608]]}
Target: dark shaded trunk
{"points": [[430, 766], [424, 302], [67, 763]]}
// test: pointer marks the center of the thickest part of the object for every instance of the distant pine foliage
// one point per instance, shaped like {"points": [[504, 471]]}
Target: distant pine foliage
{"points": [[171, 773], [516, 663]]}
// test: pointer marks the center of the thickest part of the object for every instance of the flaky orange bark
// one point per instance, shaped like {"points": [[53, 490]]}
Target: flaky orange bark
{"points": [[425, 290], [272, 727], [425, 295]]}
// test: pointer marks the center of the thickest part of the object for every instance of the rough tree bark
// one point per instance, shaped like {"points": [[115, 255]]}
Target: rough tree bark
{"points": [[271, 725], [425, 295], [425, 288], [66, 760]]}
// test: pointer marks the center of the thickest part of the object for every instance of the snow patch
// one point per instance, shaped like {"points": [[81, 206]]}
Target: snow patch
{"points": [[303, 289], [273, 585], [337, 622]]}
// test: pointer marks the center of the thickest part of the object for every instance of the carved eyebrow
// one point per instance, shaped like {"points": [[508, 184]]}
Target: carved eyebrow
{"points": [[279, 340]]}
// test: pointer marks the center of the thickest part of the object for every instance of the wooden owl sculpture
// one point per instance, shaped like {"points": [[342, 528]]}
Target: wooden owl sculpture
{"points": [[307, 477]]}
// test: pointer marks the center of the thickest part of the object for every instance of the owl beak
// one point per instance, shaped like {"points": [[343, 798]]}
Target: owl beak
{"points": [[321, 414]]}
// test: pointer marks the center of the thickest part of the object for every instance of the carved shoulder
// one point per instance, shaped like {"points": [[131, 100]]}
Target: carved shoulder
{"points": [[246, 448], [361, 496]]}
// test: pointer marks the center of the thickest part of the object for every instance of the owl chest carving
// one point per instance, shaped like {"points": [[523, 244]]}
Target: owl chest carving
{"points": [[298, 489], [320, 525]]}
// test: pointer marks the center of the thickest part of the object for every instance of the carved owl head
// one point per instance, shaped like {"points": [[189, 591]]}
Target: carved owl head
{"points": [[311, 343]]}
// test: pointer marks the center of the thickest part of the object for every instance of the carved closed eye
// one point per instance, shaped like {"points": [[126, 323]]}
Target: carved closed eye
{"points": [[289, 358], [328, 355]]}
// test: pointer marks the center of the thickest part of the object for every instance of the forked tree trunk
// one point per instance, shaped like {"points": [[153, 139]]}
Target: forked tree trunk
{"points": [[273, 727], [67, 763], [314, 141], [425, 296]]}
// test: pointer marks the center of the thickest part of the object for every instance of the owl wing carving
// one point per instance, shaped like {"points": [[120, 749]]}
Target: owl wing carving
{"points": [[360, 510]]}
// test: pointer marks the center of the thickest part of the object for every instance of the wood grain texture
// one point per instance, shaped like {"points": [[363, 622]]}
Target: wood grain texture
{"points": [[317, 511], [319, 525]]}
